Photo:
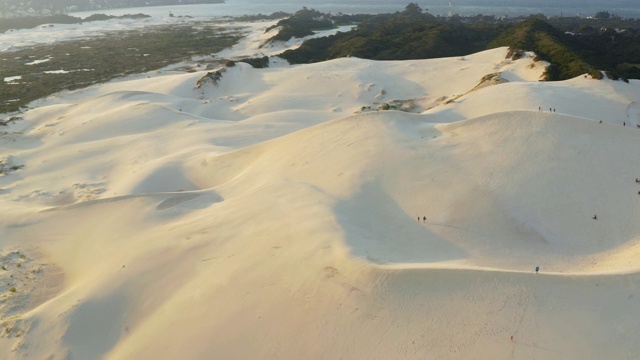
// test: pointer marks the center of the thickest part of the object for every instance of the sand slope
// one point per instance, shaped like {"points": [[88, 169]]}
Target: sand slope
{"points": [[275, 215]]}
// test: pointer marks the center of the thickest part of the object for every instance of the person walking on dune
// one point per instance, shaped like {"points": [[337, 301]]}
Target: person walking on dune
{"points": [[537, 269]]}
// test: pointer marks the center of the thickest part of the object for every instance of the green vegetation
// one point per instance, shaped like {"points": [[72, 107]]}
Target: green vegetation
{"points": [[261, 62], [10, 120], [98, 60], [6, 167], [410, 34], [413, 34], [301, 24], [571, 55], [549, 44]]}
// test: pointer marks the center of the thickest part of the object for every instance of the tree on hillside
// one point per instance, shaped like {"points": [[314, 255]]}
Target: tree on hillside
{"points": [[413, 9]]}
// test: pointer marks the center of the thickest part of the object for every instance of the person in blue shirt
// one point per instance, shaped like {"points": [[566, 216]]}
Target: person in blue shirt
{"points": [[537, 269]]}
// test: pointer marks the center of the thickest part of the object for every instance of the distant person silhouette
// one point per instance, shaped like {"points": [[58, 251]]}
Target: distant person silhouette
{"points": [[537, 269]]}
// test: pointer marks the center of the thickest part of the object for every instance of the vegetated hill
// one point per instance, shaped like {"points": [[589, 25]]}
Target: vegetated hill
{"points": [[614, 51], [301, 24], [305, 21], [549, 44], [413, 34]]}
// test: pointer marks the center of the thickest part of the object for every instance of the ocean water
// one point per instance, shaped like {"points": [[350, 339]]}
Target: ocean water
{"points": [[584, 8]]}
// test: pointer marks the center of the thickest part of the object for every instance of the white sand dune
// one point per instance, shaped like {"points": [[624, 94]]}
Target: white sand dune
{"points": [[275, 215]]}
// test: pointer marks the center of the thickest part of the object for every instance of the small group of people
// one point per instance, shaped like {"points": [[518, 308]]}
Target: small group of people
{"points": [[638, 181], [424, 219], [550, 109]]}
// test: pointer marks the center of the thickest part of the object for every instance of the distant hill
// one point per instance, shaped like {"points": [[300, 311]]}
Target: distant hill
{"points": [[20, 8], [549, 44], [410, 34], [413, 34]]}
